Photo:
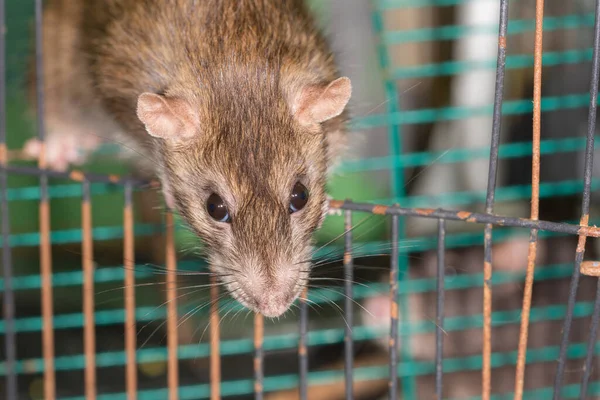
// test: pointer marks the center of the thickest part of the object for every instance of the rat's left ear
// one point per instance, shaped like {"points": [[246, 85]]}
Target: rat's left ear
{"points": [[317, 104], [167, 118]]}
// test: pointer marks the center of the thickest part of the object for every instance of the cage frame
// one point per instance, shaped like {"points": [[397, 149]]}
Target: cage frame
{"points": [[487, 218]]}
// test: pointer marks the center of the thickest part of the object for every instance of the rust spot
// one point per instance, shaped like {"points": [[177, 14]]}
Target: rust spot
{"points": [[392, 343], [463, 214], [589, 231], [425, 211], [472, 219], [114, 178], [3, 157], [581, 244], [590, 268], [379, 209], [302, 350], [347, 258], [502, 42], [336, 203], [585, 219], [257, 387], [487, 235], [77, 176], [394, 310], [42, 156], [487, 265]]}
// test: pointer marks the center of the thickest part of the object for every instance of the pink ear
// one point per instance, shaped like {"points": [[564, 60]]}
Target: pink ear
{"points": [[318, 104], [166, 118]]}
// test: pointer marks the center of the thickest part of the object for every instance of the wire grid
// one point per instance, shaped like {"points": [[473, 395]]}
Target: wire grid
{"points": [[394, 119]]}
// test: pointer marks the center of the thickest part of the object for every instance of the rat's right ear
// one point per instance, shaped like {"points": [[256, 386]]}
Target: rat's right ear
{"points": [[167, 118]]}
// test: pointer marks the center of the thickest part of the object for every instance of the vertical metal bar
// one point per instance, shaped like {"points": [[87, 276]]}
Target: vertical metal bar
{"points": [[439, 332], [172, 340], [535, 199], [585, 210], [393, 345], [10, 340], [489, 201], [258, 356], [587, 369], [88, 293], [45, 248], [348, 311], [398, 191], [215, 337], [130, 321], [302, 346]]}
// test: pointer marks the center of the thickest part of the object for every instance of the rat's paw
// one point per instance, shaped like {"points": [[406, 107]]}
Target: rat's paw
{"points": [[61, 152], [333, 211]]}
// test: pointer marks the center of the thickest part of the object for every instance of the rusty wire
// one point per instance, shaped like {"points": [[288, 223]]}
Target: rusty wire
{"points": [[535, 225], [535, 198], [44, 216], [215, 356], [172, 334], [259, 332], [88, 294], [129, 265]]}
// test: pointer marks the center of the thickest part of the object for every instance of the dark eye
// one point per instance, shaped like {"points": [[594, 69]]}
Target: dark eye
{"points": [[217, 209], [299, 198]]}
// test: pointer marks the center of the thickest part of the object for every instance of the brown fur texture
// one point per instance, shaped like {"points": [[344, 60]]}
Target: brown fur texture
{"points": [[240, 66]]}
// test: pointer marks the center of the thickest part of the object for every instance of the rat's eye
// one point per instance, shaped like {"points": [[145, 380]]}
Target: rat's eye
{"points": [[299, 198], [217, 209]]}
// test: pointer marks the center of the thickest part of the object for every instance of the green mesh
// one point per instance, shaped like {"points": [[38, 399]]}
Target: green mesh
{"points": [[24, 194]]}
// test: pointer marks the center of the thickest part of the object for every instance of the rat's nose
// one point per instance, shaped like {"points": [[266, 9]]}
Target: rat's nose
{"points": [[272, 304]]}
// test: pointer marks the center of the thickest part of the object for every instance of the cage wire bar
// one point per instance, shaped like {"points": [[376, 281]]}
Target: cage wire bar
{"points": [[585, 209], [215, 353], [303, 346], [394, 310], [44, 210], [593, 271], [439, 318], [172, 336], [10, 342], [88, 292], [348, 311], [442, 215], [490, 198], [258, 356], [396, 181], [129, 265], [535, 198]]}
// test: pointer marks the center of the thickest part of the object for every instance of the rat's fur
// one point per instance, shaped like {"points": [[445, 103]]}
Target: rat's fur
{"points": [[242, 67]]}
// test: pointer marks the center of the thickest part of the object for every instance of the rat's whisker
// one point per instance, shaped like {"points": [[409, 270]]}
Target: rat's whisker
{"points": [[340, 280], [329, 301], [345, 296]]}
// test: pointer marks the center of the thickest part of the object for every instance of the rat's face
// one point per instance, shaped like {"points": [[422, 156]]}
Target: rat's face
{"points": [[248, 175], [255, 196]]}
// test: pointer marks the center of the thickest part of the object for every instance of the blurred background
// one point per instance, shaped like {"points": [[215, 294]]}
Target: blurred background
{"points": [[423, 73]]}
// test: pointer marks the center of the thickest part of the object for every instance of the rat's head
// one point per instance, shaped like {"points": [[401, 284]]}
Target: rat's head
{"points": [[246, 169]]}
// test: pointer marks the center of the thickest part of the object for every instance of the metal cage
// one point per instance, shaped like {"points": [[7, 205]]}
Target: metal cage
{"points": [[488, 219]]}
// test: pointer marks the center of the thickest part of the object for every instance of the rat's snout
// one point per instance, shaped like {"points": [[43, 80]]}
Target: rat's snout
{"points": [[273, 303], [272, 299], [271, 294]]}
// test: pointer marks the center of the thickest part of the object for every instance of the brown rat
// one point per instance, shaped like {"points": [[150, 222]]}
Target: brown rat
{"points": [[236, 105]]}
